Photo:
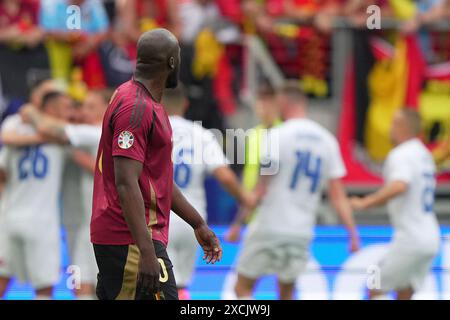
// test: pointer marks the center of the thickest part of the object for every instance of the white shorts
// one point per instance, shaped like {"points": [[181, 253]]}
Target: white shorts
{"points": [[81, 252], [284, 256], [402, 268], [182, 251], [34, 258]]}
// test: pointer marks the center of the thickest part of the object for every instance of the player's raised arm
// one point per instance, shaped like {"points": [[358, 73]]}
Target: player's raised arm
{"points": [[45, 125], [14, 139], [127, 173], [10, 137], [55, 104], [205, 236]]}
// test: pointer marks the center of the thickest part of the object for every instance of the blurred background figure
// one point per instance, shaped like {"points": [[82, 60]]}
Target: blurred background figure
{"points": [[21, 47], [299, 158], [77, 193], [32, 244], [267, 111], [76, 44], [196, 154], [408, 190]]}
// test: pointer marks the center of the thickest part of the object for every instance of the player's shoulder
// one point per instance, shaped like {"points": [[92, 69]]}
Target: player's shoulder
{"points": [[407, 151], [12, 120], [15, 122], [133, 102], [312, 129]]}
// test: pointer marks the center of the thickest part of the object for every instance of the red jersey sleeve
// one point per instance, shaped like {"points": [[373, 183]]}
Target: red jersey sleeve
{"points": [[132, 125]]}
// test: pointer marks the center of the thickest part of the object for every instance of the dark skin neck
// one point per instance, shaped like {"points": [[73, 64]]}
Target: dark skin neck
{"points": [[155, 85]]}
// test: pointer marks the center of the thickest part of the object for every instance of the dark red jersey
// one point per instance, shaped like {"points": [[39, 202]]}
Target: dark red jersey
{"points": [[135, 127]]}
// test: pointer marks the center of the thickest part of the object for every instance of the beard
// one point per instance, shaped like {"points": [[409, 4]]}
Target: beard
{"points": [[173, 78]]}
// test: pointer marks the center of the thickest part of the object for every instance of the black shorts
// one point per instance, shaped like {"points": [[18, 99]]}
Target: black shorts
{"points": [[118, 270]]}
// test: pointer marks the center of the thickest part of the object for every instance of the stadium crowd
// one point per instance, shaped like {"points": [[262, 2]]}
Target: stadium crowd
{"points": [[41, 39]]}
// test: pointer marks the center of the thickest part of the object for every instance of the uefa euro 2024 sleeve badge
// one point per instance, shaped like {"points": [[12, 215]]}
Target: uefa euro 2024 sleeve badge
{"points": [[126, 140]]}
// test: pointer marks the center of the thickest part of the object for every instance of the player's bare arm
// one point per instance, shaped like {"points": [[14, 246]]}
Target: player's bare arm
{"points": [[84, 160], [339, 200], [127, 173], [389, 191], [205, 236], [228, 179], [46, 126], [230, 182], [245, 212], [14, 139]]}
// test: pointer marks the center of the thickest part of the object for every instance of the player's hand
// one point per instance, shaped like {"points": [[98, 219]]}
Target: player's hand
{"points": [[149, 270], [354, 242], [209, 243], [233, 234], [358, 203], [26, 112]]}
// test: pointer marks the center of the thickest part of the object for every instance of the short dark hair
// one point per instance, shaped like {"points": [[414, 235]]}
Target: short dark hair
{"points": [[413, 120], [154, 48], [51, 96]]}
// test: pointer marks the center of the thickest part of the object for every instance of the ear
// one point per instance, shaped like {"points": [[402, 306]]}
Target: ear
{"points": [[172, 63]]}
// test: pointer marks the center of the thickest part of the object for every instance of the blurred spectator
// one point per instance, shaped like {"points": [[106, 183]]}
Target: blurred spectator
{"points": [[137, 16], [79, 44], [427, 11], [194, 16], [255, 17], [318, 13], [21, 49], [129, 19], [18, 24], [205, 68], [356, 10]]}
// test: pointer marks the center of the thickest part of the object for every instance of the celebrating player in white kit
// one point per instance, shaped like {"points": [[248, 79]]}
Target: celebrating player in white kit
{"points": [[409, 175], [30, 208], [302, 158], [85, 138], [196, 153]]}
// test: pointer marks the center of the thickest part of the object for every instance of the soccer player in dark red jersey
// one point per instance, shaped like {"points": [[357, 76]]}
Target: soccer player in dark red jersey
{"points": [[133, 186]]}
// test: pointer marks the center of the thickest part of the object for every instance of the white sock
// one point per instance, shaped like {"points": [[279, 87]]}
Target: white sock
{"points": [[42, 297], [245, 298]]}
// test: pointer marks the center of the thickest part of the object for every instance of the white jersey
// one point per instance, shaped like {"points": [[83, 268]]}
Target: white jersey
{"points": [[195, 154], [86, 137], [30, 201], [307, 156], [411, 213]]}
